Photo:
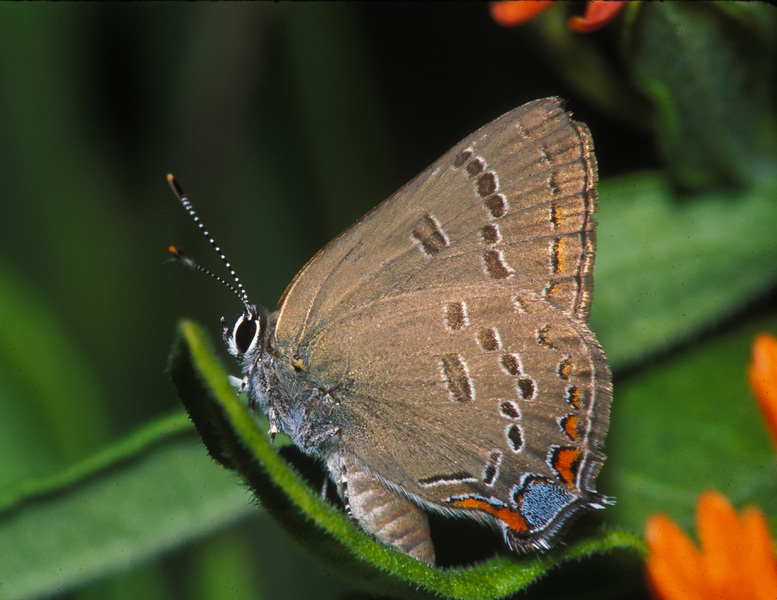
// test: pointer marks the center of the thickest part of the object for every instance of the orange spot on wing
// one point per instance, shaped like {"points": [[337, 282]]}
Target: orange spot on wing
{"points": [[566, 464], [560, 249], [570, 426], [574, 397], [510, 517]]}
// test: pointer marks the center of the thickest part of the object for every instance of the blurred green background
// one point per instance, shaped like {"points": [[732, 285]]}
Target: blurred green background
{"points": [[285, 123]]}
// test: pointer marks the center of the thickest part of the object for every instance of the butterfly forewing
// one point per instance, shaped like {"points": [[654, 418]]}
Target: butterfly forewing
{"points": [[511, 203]]}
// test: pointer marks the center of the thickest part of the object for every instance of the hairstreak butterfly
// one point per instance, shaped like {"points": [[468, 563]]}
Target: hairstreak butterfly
{"points": [[436, 356]]}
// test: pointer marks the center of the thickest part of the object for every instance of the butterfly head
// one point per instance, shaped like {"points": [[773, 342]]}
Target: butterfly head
{"points": [[244, 337]]}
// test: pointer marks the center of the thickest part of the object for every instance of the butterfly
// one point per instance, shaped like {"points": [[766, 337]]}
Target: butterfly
{"points": [[436, 356]]}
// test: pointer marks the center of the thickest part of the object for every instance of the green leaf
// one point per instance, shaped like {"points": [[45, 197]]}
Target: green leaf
{"points": [[234, 436], [37, 390], [687, 425], [667, 268], [150, 492], [710, 76]]}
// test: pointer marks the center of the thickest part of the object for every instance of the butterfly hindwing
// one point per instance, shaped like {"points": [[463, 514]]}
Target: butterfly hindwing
{"points": [[464, 393]]}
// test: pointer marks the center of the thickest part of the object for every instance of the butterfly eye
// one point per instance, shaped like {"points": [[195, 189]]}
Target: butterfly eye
{"points": [[245, 334], [244, 337]]}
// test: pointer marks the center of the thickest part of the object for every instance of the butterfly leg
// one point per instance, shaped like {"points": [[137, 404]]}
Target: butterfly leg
{"points": [[385, 513]]}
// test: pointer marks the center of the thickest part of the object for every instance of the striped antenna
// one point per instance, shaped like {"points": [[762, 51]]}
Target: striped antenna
{"points": [[238, 288]]}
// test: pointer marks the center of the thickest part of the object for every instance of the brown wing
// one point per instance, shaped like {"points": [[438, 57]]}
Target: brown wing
{"points": [[465, 390], [511, 204]]}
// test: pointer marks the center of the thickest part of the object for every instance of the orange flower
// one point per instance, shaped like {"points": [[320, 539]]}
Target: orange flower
{"points": [[762, 373], [736, 560], [516, 12]]}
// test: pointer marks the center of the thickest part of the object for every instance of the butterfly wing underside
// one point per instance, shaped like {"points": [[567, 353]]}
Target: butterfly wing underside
{"points": [[502, 413], [453, 319], [511, 203]]}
